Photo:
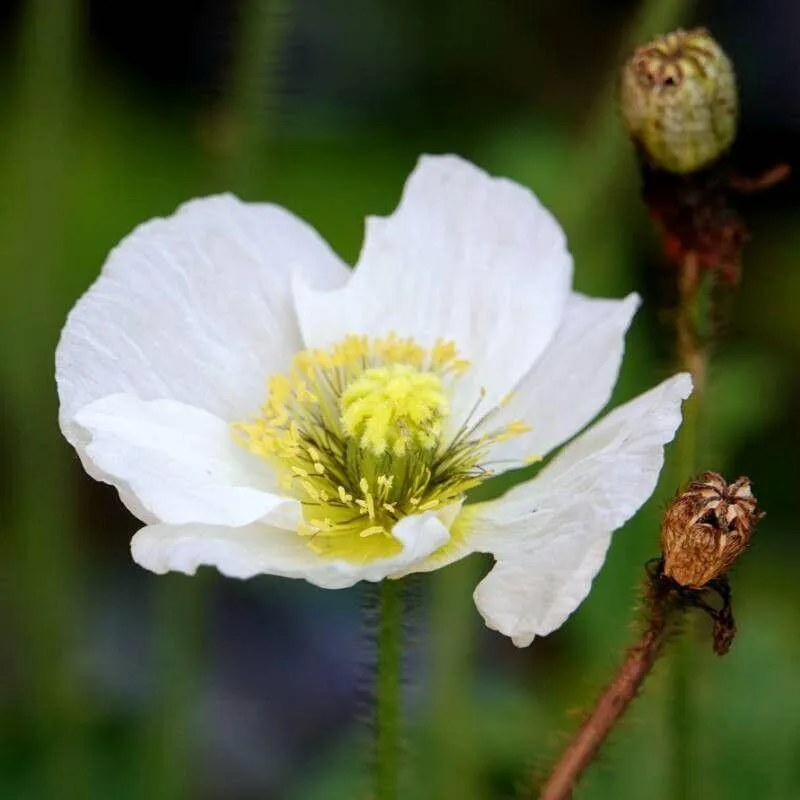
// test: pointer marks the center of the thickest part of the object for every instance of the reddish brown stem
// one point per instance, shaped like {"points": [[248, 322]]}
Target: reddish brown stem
{"points": [[611, 705]]}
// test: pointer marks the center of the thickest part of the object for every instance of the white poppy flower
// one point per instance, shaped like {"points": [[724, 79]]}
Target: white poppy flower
{"points": [[263, 409]]}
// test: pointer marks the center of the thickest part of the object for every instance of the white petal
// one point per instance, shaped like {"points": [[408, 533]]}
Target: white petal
{"points": [[549, 536], [255, 549], [196, 307], [465, 257], [572, 381], [180, 463]]}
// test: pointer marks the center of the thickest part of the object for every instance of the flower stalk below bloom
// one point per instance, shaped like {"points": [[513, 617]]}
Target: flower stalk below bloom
{"points": [[388, 699]]}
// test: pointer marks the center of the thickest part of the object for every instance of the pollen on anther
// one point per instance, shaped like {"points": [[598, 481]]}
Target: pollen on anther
{"points": [[344, 496]]}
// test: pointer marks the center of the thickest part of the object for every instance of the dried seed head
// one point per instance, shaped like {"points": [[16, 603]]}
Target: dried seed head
{"points": [[679, 100], [706, 528]]}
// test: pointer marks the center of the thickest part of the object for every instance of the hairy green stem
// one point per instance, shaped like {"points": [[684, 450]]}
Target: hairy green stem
{"points": [[388, 699]]}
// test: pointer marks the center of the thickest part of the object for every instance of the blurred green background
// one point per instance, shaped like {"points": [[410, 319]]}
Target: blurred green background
{"points": [[115, 683]]}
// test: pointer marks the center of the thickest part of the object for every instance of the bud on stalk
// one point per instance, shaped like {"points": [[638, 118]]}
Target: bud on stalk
{"points": [[679, 100]]}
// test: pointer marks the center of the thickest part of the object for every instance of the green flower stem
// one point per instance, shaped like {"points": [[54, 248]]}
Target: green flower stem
{"points": [[691, 333], [457, 764], [598, 161], [169, 740], [178, 635], [255, 91], [388, 690], [597, 170], [40, 549]]}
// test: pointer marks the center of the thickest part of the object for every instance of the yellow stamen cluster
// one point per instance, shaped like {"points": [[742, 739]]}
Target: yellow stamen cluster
{"points": [[395, 408], [357, 433]]}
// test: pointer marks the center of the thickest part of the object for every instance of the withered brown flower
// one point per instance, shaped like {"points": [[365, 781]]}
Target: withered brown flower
{"points": [[706, 528]]}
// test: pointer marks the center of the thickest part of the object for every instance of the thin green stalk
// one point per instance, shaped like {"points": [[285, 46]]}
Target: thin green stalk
{"points": [[598, 158], [680, 695], [388, 698], [178, 641], [44, 582], [255, 90], [178, 603], [596, 170], [680, 720], [691, 334], [456, 767]]}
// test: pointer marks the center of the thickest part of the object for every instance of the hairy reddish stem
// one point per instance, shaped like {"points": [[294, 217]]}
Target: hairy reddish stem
{"points": [[611, 705]]}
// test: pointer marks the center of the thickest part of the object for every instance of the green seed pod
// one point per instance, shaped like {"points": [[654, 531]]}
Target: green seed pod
{"points": [[679, 100]]}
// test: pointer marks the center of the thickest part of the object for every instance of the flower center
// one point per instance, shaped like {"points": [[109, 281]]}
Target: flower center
{"points": [[357, 434], [395, 408]]}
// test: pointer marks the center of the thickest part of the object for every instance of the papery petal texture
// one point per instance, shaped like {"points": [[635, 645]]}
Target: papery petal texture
{"points": [[465, 257], [571, 382], [196, 307], [254, 549], [549, 536], [176, 340], [182, 463]]}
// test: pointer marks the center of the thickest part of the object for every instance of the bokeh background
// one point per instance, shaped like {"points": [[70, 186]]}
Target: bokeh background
{"points": [[115, 683]]}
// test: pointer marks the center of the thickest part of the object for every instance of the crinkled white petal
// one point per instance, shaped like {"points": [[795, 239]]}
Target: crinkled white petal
{"points": [[549, 536], [180, 463], [465, 257], [196, 307], [255, 549], [572, 381]]}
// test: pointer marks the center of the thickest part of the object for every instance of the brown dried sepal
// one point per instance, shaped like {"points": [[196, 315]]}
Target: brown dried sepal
{"points": [[706, 528], [697, 216]]}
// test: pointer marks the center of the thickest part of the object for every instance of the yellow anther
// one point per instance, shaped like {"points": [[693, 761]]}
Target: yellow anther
{"points": [[344, 496], [506, 399], [372, 530], [511, 430]]}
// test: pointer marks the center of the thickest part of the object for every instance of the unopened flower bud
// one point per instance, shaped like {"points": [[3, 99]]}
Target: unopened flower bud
{"points": [[706, 528], [679, 100]]}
